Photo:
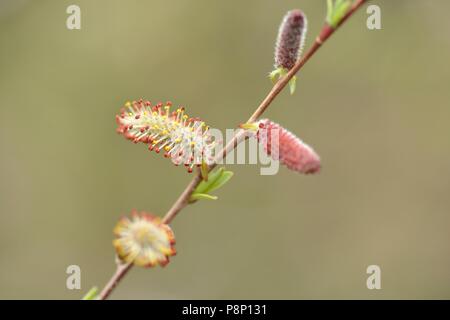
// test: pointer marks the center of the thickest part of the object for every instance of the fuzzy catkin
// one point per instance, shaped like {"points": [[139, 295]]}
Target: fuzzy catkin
{"points": [[291, 39], [183, 139], [283, 145]]}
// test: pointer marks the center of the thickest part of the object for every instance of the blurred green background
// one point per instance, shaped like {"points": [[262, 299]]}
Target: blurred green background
{"points": [[374, 104]]}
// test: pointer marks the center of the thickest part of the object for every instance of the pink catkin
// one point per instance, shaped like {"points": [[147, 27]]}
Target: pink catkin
{"points": [[284, 146]]}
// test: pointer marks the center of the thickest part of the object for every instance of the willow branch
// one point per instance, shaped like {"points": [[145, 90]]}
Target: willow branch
{"points": [[326, 32], [183, 199]]}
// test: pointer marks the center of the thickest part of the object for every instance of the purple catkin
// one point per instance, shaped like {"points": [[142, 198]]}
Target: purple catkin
{"points": [[290, 40]]}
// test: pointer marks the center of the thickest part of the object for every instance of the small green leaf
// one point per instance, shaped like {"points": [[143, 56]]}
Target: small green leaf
{"points": [[253, 126], [91, 294], [329, 9], [223, 178], [216, 179], [278, 73], [273, 75], [204, 170], [204, 185], [336, 11], [199, 196], [292, 84], [281, 72]]}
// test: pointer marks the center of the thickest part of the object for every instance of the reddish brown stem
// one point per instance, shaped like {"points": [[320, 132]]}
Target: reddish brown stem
{"points": [[121, 271]]}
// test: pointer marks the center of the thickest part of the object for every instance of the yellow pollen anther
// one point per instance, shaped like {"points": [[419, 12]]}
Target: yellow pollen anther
{"points": [[167, 148]]}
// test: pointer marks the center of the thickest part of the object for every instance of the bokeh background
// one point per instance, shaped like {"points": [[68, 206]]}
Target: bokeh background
{"points": [[374, 104]]}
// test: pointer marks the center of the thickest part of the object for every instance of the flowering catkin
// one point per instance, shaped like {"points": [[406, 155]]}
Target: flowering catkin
{"points": [[291, 39], [284, 146], [144, 240], [184, 140]]}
